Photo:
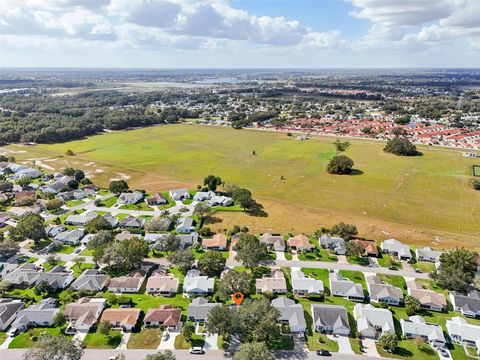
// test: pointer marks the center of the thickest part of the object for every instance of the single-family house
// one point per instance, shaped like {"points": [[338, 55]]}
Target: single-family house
{"points": [[165, 315], [381, 292], [111, 219], [397, 249], [305, 286], [9, 308], [427, 254], [126, 235], [28, 173], [416, 327], [300, 243], [122, 319], [54, 230], [132, 222], [41, 315], [195, 284], [199, 308], [4, 217], [185, 225], [335, 244], [81, 219], [275, 283], [275, 242], [429, 299], [373, 322], [90, 280], [179, 194], [464, 333], [7, 268], [468, 305], [369, 247], [218, 242], [83, 314], [203, 195], [330, 319], [291, 314], [339, 286], [17, 212], [129, 198], [71, 237], [162, 284], [220, 201], [127, 284], [28, 274], [156, 199]]}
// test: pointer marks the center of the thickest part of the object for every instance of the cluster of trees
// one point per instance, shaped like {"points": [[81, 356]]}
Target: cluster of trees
{"points": [[30, 226], [401, 146], [240, 119], [250, 251]]}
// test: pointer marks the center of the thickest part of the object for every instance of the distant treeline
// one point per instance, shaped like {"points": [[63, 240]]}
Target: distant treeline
{"points": [[46, 119]]}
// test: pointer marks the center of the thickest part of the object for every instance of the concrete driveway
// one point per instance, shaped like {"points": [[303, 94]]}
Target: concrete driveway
{"points": [[124, 342], [280, 255], [344, 346], [169, 344], [211, 342], [449, 354], [342, 259], [7, 342], [370, 348]]}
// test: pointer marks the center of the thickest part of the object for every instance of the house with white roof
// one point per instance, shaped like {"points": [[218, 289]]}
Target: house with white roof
{"points": [[129, 198], [71, 237], [81, 219], [41, 315], [199, 309], [381, 292], [373, 322], [179, 194], [397, 249], [427, 254], [185, 226], [339, 286], [305, 286], [8, 312], [195, 284], [464, 333], [335, 244], [203, 195], [416, 327]]}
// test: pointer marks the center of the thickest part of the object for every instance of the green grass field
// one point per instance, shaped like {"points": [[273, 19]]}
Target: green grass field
{"points": [[411, 198]]}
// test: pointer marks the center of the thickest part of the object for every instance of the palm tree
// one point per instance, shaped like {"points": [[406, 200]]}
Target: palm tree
{"points": [[187, 330]]}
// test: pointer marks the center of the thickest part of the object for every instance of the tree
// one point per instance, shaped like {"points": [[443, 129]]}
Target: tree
{"points": [[212, 182], [104, 328], [69, 153], [457, 270], [68, 171], [212, 263], [353, 249], [59, 319], [399, 131], [43, 287], [412, 305], [256, 350], [167, 355], [250, 251], [345, 231], [157, 224], [31, 226], [340, 165], [5, 186], [401, 146], [132, 252], [54, 204], [118, 186], [8, 246], [72, 184], [341, 146], [99, 242], [202, 210], [97, 224], [79, 175], [257, 321], [167, 243], [220, 320], [242, 197], [49, 347], [388, 342], [188, 329], [476, 184], [182, 259], [233, 281], [24, 181], [78, 261]]}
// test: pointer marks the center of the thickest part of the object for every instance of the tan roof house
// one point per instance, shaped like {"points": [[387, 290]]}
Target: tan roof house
{"points": [[123, 318], [83, 314], [218, 242], [300, 243], [274, 283], [165, 315], [127, 284], [162, 284], [369, 247], [429, 299]]}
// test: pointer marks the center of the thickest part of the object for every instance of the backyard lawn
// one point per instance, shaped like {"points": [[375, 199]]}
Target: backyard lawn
{"points": [[80, 268], [147, 338], [146, 301]]}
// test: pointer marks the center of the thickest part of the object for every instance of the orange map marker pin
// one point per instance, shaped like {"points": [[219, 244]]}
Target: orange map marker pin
{"points": [[237, 298]]}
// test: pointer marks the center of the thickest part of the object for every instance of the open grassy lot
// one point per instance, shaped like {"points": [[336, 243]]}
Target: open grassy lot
{"points": [[145, 339], [412, 199], [99, 341], [27, 339]]}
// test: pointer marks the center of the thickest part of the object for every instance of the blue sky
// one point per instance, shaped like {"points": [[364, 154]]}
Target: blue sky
{"points": [[240, 33]]}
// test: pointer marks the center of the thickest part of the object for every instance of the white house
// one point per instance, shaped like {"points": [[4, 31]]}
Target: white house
{"points": [[373, 322], [71, 237], [345, 287], [179, 194], [416, 327], [185, 226], [427, 254], [130, 198], [196, 284], [464, 333], [305, 286], [396, 249]]}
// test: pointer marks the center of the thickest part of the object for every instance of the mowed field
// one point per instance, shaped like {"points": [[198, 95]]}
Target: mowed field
{"points": [[425, 200]]}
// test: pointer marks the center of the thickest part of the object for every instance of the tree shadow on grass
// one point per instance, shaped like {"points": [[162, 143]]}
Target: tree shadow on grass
{"points": [[212, 220], [256, 210], [356, 172]]}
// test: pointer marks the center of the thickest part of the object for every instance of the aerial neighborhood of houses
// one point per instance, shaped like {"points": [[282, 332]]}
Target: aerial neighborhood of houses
{"points": [[69, 252]]}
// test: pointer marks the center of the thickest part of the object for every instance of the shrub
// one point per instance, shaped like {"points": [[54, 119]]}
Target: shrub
{"points": [[340, 165], [476, 184], [401, 146]]}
